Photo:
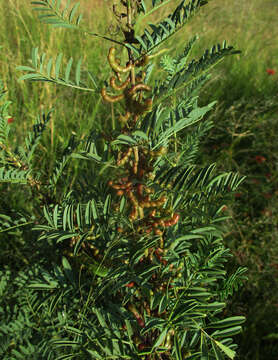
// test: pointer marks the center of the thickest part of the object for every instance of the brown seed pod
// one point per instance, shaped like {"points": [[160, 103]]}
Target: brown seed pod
{"points": [[175, 218], [118, 87], [110, 98], [140, 189], [138, 87], [125, 158], [114, 64]]}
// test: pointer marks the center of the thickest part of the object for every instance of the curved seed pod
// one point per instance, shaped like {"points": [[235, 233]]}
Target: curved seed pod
{"points": [[114, 64], [138, 87], [110, 98], [124, 159], [118, 87]]}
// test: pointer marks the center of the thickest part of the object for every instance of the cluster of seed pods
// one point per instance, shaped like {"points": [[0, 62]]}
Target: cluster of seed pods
{"points": [[131, 88], [150, 213]]}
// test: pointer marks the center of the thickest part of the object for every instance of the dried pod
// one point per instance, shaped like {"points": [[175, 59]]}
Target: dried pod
{"points": [[118, 87], [138, 87], [140, 189], [115, 64], [125, 158], [110, 98], [175, 218]]}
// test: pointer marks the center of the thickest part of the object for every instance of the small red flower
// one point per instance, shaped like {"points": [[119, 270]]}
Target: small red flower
{"points": [[270, 71], [224, 208], [238, 195], [10, 120], [131, 284], [260, 159]]}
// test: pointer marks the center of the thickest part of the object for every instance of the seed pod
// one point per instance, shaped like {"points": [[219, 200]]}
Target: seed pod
{"points": [[138, 87], [114, 63], [109, 98], [140, 189], [125, 158], [120, 87], [120, 192], [175, 218], [130, 285]]}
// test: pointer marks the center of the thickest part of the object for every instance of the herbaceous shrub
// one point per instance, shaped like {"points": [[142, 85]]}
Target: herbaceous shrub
{"points": [[129, 263]]}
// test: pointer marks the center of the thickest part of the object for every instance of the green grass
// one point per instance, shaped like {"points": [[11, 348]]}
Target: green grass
{"points": [[245, 119]]}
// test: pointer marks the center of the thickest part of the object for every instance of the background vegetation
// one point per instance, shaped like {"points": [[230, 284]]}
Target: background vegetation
{"points": [[244, 138]]}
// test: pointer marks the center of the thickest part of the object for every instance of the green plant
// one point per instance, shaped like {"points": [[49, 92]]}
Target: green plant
{"points": [[129, 262]]}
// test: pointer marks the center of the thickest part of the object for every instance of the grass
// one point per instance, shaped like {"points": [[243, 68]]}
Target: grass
{"points": [[243, 139]]}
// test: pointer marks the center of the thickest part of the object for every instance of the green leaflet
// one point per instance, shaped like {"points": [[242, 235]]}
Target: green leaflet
{"points": [[97, 268]]}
